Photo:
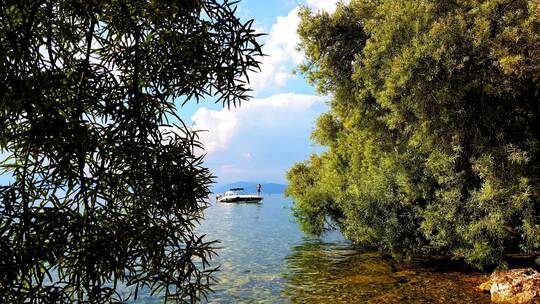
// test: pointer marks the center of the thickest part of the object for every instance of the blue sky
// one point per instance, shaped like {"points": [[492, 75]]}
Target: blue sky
{"points": [[263, 138]]}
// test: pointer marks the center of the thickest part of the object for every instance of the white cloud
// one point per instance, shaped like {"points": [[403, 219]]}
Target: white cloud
{"points": [[280, 47], [282, 56], [277, 111], [215, 127]]}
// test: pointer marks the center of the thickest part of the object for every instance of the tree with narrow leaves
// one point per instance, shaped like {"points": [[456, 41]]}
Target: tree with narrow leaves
{"points": [[103, 186], [433, 145]]}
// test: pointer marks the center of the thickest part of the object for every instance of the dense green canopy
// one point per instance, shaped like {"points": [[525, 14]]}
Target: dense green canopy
{"points": [[433, 133], [104, 191]]}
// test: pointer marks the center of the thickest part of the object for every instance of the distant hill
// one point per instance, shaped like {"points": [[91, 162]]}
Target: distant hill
{"points": [[250, 187]]}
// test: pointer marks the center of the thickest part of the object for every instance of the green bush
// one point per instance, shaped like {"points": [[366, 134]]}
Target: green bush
{"points": [[432, 138]]}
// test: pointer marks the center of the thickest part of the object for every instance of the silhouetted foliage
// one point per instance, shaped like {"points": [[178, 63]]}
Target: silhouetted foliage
{"points": [[104, 189], [432, 136]]}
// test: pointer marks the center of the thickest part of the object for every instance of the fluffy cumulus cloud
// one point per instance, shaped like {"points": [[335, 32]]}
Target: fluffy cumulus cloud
{"points": [[214, 128], [260, 140], [280, 46], [217, 127]]}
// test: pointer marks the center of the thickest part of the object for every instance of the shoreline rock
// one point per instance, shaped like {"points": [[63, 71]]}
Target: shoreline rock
{"points": [[515, 286]]}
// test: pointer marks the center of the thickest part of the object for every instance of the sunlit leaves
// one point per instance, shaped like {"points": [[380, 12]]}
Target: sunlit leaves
{"points": [[432, 135]]}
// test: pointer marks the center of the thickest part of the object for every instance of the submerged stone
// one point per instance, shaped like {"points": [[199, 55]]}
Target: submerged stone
{"points": [[367, 279], [405, 273]]}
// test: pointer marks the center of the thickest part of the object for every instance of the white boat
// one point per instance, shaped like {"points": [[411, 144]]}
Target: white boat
{"points": [[237, 195]]}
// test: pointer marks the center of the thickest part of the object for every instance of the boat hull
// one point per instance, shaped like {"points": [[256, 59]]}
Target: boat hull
{"points": [[240, 199]]}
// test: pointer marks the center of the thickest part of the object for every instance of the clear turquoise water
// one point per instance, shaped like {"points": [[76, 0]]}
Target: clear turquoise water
{"points": [[258, 243], [264, 258]]}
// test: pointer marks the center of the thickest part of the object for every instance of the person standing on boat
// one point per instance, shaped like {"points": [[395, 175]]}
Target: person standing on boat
{"points": [[259, 189]]}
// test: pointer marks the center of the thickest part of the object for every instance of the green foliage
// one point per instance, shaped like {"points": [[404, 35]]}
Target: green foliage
{"points": [[104, 189], [432, 136], [316, 202]]}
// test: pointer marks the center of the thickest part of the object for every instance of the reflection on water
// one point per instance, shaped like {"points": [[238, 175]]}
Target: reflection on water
{"points": [[264, 258]]}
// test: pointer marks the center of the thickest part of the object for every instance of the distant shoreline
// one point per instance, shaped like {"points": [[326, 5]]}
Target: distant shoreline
{"points": [[250, 187]]}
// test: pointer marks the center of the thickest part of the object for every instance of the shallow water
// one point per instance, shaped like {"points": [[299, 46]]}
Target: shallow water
{"points": [[264, 258]]}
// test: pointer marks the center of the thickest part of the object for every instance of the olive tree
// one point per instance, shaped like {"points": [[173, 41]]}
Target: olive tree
{"points": [[104, 188]]}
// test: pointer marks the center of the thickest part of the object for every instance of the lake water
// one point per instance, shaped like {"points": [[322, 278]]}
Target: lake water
{"points": [[265, 258]]}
